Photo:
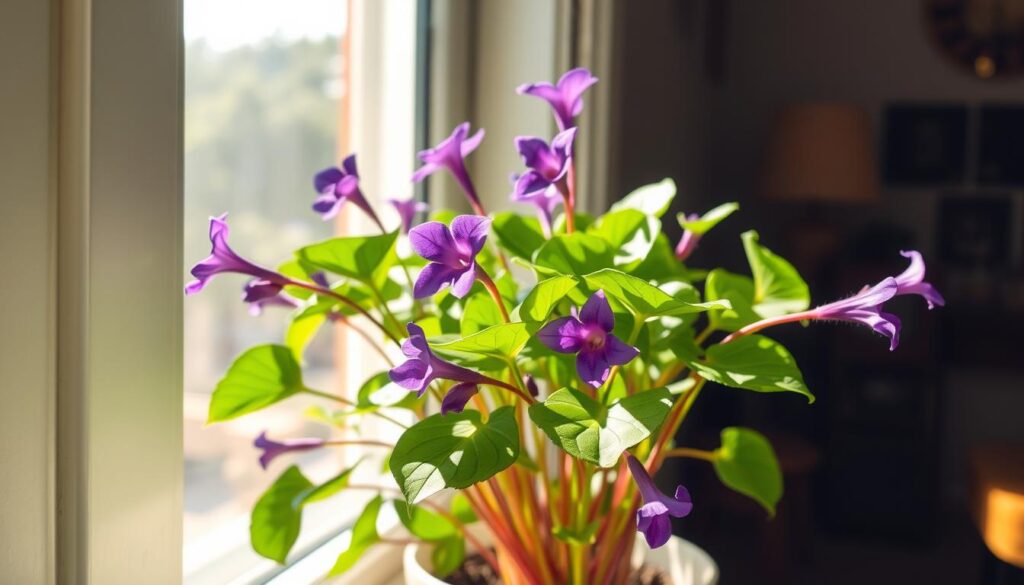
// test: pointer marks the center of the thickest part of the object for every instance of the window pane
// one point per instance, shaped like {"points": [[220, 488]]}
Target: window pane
{"points": [[263, 90]]}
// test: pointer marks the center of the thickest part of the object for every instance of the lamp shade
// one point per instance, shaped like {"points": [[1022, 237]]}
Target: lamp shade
{"points": [[821, 152]]}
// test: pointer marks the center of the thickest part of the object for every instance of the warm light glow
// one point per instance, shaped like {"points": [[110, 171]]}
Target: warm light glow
{"points": [[984, 67]]}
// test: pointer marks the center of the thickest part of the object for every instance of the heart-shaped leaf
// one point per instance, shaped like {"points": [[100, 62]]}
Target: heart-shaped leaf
{"points": [[754, 363], [261, 376], [364, 535], [739, 291], [574, 254], [276, 520], [504, 340], [631, 234], [363, 258], [653, 199], [587, 429], [642, 298], [454, 451], [778, 287], [518, 234], [544, 297], [709, 220], [746, 463]]}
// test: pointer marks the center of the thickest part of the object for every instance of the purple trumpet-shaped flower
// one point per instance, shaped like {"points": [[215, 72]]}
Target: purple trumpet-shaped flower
{"points": [[688, 241], [545, 200], [653, 517], [451, 154], [590, 337], [223, 259], [338, 185], [407, 210], [565, 97], [911, 281], [261, 293], [457, 397], [423, 367], [865, 307], [271, 449], [452, 254]]}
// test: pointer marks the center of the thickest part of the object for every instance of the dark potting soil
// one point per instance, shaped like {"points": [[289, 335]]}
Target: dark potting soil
{"points": [[476, 571]]}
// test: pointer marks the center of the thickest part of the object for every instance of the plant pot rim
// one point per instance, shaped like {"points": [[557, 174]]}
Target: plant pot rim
{"points": [[686, 563]]}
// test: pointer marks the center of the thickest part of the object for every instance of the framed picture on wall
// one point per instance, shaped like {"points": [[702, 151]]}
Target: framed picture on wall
{"points": [[1001, 145], [975, 230], [925, 145]]}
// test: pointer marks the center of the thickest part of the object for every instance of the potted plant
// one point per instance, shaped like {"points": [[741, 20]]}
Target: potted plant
{"points": [[549, 396]]}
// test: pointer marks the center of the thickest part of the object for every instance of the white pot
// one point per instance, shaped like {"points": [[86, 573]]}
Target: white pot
{"points": [[684, 561]]}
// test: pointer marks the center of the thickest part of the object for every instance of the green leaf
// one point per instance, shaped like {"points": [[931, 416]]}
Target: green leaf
{"points": [[653, 199], [709, 220], [588, 430], [504, 340], [447, 556], [643, 299], [739, 291], [754, 363], [301, 331], [364, 535], [661, 265], [746, 463], [518, 234], [425, 524], [576, 253], [261, 376], [545, 297], [364, 258], [462, 510], [325, 490], [778, 288], [454, 451], [631, 234], [275, 520], [585, 536], [379, 391], [479, 313]]}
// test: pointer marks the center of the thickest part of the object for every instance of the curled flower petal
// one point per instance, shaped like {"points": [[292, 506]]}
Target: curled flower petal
{"points": [[450, 155], [565, 97], [223, 259], [407, 210], [865, 307], [457, 397], [422, 367], [336, 186], [911, 281], [653, 517]]}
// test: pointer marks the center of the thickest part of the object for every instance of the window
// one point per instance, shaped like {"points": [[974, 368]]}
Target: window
{"points": [[271, 98]]}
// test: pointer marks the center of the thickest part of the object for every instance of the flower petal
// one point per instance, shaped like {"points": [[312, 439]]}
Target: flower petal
{"points": [[470, 233], [326, 178], [349, 164], [572, 84], [327, 205], [563, 335], [653, 521], [593, 367], [464, 282], [597, 311], [425, 171], [470, 144], [413, 374], [432, 278], [618, 353], [434, 242], [457, 397]]}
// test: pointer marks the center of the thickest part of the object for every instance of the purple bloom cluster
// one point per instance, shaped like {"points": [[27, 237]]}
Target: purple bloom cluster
{"points": [[589, 336], [336, 185], [543, 185]]}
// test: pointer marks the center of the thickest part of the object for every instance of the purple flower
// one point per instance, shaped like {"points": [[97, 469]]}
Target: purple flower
{"points": [[338, 185], [565, 97], [223, 259], [653, 517], [457, 397], [865, 307], [688, 241], [272, 449], [407, 210], [545, 200], [911, 281], [261, 293], [451, 154], [452, 254], [423, 367], [590, 337]]}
